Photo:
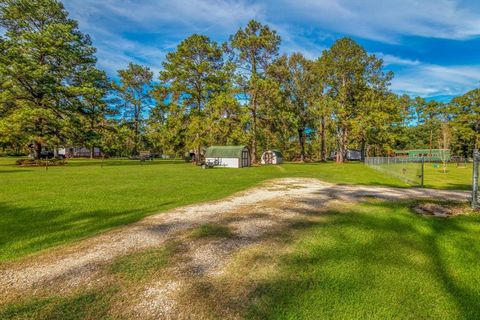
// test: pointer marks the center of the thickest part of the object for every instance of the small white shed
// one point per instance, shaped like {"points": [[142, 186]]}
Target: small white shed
{"points": [[228, 156], [272, 157]]}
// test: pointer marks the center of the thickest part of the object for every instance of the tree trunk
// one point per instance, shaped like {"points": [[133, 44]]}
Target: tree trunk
{"points": [[342, 141], [135, 139], [198, 156], [431, 142], [363, 147], [254, 134], [92, 150], [323, 151], [339, 155], [301, 141], [254, 109], [37, 150]]}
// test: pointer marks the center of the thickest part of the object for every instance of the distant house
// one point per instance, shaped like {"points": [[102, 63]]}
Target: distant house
{"points": [[272, 157], [79, 152], [350, 155], [228, 156]]}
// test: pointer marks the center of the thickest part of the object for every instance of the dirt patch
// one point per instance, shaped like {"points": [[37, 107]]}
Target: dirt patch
{"points": [[441, 210], [433, 209]]}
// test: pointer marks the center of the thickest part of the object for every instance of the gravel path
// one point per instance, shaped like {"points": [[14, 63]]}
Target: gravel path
{"points": [[250, 213]]}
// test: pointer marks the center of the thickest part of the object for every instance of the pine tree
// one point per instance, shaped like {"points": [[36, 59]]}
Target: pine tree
{"points": [[254, 48], [193, 75], [43, 65], [134, 98]]}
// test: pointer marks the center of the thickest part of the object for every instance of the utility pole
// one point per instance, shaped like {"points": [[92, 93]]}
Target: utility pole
{"points": [[476, 160]]}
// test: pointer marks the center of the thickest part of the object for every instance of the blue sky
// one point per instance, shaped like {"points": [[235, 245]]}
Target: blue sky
{"points": [[433, 46]]}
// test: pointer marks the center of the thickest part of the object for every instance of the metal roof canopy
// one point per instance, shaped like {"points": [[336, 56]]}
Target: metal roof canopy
{"points": [[225, 152]]}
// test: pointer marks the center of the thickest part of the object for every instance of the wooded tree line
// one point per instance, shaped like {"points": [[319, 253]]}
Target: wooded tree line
{"points": [[243, 91]]}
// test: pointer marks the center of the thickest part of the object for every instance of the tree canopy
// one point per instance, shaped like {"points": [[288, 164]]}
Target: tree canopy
{"points": [[52, 95]]}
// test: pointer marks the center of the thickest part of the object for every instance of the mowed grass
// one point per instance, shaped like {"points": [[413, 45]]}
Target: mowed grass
{"points": [[459, 178], [377, 260], [40, 209], [454, 177], [373, 260]]}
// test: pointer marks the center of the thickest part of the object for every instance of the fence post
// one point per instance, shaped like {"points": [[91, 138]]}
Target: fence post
{"points": [[476, 160], [422, 183]]}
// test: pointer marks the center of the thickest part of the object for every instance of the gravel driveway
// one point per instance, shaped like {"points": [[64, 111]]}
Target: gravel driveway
{"points": [[250, 214]]}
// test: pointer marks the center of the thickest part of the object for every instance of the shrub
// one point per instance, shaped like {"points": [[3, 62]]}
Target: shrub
{"points": [[39, 163]]}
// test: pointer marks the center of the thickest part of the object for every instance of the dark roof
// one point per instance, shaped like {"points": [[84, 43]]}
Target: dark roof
{"points": [[224, 151]]}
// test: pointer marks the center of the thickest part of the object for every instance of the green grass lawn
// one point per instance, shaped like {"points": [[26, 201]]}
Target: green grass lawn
{"points": [[454, 177], [41, 209], [377, 260], [374, 260]]}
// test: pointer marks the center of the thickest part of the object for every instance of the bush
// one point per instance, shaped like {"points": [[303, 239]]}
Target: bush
{"points": [[39, 163]]}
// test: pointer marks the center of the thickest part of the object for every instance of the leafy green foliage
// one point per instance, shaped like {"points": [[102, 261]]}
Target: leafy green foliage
{"points": [[134, 98], [466, 121], [47, 69], [193, 75], [254, 48]]}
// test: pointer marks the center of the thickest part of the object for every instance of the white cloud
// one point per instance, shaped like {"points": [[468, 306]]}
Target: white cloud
{"points": [[143, 31], [218, 16], [428, 80], [114, 26], [389, 59], [389, 20]]}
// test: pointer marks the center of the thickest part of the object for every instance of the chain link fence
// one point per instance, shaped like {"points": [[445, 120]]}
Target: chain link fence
{"points": [[411, 172]]}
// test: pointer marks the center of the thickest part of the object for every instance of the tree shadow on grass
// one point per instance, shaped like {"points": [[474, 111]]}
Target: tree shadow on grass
{"points": [[120, 162], [377, 265], [25, 230], [91, 304], [15, 171], [456, 186]]}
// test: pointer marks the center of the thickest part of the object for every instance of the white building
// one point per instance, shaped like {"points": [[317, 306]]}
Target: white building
{"points": [[76, 152], [228, 156], [272, 157]]}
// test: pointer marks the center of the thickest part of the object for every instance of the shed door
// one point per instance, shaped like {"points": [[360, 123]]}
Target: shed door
{"points": [[269, 157], [245, 158]]}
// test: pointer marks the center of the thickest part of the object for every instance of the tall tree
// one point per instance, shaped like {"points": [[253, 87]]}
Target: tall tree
{"points": [[255, 47], [322, 106], [134, 98], [428, 115], [42, 65], [349, 72], [295, 75], [194, 74], [93, 111]]}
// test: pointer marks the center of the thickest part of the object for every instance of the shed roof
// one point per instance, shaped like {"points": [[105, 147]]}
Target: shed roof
{"points": [[224, 151], [277, 152]]}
